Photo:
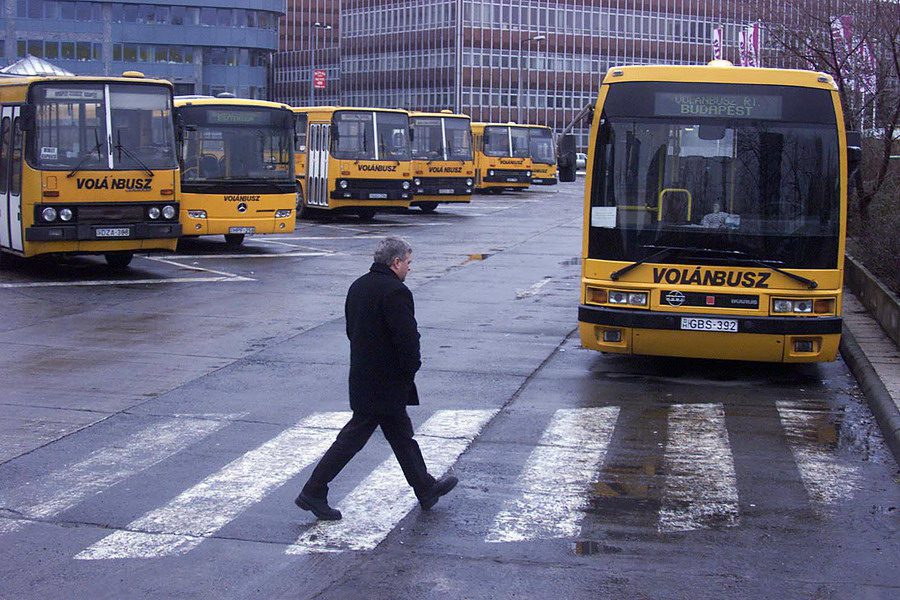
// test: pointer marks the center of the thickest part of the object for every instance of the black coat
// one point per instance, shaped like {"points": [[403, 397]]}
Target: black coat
{"points": [[384, 342]]}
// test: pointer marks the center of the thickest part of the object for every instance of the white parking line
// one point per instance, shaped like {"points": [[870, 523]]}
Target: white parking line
{"points": [[375, 507], [533, 290], [277, 255], [63, 489], [40, 284], [204, 509], [828, 480], [555, 482], [700, 489]]}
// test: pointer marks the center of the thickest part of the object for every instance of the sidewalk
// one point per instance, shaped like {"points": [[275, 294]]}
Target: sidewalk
{"points": [[874, 360]]}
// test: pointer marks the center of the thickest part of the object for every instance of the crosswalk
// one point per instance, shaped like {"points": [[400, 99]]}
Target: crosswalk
{"points": [[549, 498]]}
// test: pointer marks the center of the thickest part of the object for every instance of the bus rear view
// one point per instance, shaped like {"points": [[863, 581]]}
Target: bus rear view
{"points": [[715, 211]]}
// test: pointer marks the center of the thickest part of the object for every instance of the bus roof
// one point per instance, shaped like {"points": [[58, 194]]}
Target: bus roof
{"points": [[510, 124], [331, 109], [29, 79], [213, 101], [719, 72], [448, 114]]}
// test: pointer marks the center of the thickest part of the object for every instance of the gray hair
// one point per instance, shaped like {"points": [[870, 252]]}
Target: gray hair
{"points": [[390, 248]]}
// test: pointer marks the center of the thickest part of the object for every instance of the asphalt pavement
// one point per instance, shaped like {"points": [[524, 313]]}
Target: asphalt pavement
{"points": [[159, 422]]}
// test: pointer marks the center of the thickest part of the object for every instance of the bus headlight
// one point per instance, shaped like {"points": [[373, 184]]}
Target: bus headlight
{"points": [[405, 185], [601, 296], [468, 182], [283, 213], [796, 306], [618, 298], [637, 298], [417, 181], [491, 173], [154, 212], [343, 184], [527, 173], [197, 214], [168, 212], [66, 214], [49, 214], [803, 306]]}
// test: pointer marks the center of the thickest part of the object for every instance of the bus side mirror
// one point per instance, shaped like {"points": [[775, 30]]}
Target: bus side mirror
{"points": [[854, 152], [567, 157], [27, 117]]}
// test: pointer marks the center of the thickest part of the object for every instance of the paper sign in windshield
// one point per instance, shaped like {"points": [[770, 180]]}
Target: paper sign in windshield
{"points": [[603, 216]]}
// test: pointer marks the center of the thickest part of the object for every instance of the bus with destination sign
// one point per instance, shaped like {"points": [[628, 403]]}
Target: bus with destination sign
{"points": [[87, 166], [715, 214], [502, 157], [442, 161], [237, 167], [357, 160], [543, 155]]}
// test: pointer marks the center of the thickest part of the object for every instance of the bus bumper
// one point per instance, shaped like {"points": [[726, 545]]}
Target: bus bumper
{"points": [[260, 225], [463, 198], [84, 233], [767, 339], [544, 181]]}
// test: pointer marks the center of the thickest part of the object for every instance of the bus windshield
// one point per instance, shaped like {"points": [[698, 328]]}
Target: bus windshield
{"points": [[506, 141], [428, 138], [362, 135], [541, 146], [71, 126], [236, 143], [459, 139], [713, 167]]}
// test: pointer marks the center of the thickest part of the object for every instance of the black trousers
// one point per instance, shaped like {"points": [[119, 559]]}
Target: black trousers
{"points": [[398, 431]]}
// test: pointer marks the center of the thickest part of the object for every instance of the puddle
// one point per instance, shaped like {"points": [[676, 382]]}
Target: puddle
{"points": [[591, 547], [576, 260]]}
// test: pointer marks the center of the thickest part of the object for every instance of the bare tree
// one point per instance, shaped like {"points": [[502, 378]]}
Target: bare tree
{"points": [[858, 43]]}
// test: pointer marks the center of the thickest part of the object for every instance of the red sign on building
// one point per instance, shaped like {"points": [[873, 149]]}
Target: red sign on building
{"points": [[319, 79]]}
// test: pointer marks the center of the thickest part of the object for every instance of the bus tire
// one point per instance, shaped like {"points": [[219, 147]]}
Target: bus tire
{"points": [[118, 260], [366, 214], [306, 212], [234, 240], [427, 207]]}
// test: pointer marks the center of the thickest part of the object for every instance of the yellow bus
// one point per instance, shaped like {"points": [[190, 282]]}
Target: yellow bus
{"points": [[237, 167], [87, 166], [543, 155], [502, 157], [442, 161], [357, 160], [715, 214]]}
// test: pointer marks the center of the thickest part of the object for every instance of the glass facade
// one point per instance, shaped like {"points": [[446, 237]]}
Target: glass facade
{"points": [[208, 48], [531, 61]]}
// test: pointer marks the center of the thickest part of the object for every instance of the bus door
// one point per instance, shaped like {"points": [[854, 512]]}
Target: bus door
{"points": [[317, 167], [10, 179]]}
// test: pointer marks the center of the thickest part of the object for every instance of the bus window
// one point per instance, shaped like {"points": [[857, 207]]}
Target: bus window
{"points": [[15, 175], [459, 139], [70, 127], [300, 121], [4, 154], [141, 127], [353, 137], [496, 141], [520, 145], [393, 136], [428, 139]]}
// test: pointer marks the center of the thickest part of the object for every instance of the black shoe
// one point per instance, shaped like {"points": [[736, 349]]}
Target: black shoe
{"points": [[441, 486], [318, 507]]}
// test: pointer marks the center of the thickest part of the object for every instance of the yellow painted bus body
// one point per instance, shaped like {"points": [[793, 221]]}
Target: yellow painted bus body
{"points": [[501, 165], [237, 167], [443, 164], [544, 170], [357, 160], [84, 163], [722, 302]]}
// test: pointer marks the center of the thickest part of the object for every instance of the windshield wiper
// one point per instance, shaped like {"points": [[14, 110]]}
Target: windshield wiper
{"points": [[84, 158], [662, 251], [770, 264], [131, 154]]}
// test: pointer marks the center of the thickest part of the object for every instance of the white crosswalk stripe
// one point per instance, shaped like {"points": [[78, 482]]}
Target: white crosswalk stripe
{"points": [[105, 467], [208, 506], [827, 479], [375, 507], [700, 485], [554, 483]]}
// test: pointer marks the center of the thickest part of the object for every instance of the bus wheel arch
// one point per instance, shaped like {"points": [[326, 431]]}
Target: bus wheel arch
{"points": [[118, 260]]}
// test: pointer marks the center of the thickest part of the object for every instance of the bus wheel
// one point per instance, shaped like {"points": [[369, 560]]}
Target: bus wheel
{"points": [[496, 191], [306, 212], [118, 260], [234, 240], [427, 207], [366, 214]]}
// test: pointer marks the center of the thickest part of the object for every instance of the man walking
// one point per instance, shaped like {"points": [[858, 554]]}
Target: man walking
{"points": [[384, 358]]}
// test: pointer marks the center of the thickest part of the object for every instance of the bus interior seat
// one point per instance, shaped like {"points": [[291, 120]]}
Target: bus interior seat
{"points": [[209, 166]]}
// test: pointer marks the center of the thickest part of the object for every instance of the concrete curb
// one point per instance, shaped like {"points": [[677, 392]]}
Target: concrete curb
{"points": [[886, 412]]}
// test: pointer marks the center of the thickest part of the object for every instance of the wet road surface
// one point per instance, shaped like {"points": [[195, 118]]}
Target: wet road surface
{"points": [[159, 422]]}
